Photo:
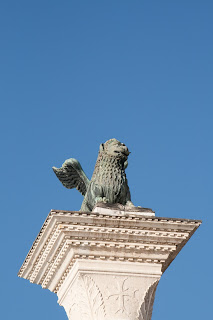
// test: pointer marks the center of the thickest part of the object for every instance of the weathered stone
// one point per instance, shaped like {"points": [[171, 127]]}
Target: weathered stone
{"points": [[104, 264]]}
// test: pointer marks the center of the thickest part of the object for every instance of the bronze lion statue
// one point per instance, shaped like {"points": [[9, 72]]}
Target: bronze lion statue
{"points": [[108, 183]]}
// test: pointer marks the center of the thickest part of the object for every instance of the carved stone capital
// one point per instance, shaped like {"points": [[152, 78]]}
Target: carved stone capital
{"points": [[109, 290], [105, 265]]}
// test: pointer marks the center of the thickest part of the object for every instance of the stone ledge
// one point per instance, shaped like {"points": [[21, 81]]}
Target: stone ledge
{"points": [[114, 209]]}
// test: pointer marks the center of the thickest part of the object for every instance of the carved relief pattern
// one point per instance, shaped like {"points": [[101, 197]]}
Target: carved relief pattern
{"points": [[70, 243], [122, 295], [79, 307], [87, 300], [95, 298], [145, 312]]}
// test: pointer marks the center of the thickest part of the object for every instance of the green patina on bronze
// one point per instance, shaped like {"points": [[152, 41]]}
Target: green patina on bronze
{"points": [[108, 183]]}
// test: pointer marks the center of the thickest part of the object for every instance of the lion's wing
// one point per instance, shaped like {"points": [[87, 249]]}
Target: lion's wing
{"points": [[72, 175]]}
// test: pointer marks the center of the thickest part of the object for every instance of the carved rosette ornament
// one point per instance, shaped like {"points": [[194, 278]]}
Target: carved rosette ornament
{"points": [[105, 264]]}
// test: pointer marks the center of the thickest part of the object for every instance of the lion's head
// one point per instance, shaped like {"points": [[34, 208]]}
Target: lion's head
{"points": [[112, 157], [115, 148]]}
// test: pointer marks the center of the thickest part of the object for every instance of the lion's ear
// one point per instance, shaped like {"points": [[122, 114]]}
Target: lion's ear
{"points": [[101, 147]]}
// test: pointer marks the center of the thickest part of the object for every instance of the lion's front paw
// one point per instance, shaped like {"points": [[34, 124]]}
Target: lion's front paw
{"points": [[130, 204], [105, 200], [100, 199]]}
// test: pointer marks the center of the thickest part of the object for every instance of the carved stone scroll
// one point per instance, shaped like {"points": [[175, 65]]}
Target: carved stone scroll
{"points": [[145, 312]]}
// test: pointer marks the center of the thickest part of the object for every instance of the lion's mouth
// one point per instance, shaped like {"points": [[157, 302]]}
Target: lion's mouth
{"points": [[123, 152]]}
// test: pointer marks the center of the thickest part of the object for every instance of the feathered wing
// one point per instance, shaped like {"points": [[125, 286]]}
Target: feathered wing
{"points": [[72, 175]]}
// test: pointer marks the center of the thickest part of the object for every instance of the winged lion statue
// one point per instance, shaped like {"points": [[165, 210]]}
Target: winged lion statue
{"points": [[108, 183]]}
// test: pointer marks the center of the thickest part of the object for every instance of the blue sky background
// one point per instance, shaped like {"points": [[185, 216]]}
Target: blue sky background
{"points": [[74, 74]]}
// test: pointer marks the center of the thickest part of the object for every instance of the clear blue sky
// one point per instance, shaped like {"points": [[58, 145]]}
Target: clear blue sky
{"points": [[76, 73]]}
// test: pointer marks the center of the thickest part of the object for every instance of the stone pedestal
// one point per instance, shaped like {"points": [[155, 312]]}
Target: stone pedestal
{"points": [[105, 264]]}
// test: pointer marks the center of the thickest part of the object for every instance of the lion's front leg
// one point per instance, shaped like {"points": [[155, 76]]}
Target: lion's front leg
{"points": [[97, 194], [128, 199]]}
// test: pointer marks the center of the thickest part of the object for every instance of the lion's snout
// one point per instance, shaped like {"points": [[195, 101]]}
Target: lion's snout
{"points": [[126, 150]]}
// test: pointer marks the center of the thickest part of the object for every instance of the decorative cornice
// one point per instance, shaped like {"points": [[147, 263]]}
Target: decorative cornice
{"points": [[119, 237]]}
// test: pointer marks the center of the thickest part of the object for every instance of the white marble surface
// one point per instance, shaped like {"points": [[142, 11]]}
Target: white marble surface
{"points": [[124, 210], [107, 290], [105, 264]]}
